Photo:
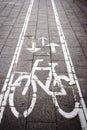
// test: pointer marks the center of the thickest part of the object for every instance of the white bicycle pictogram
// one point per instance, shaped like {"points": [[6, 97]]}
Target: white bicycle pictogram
{"points": [[57, 80]]}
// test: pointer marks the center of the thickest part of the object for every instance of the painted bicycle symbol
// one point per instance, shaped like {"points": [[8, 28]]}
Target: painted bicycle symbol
{"points": [[32, 82]]}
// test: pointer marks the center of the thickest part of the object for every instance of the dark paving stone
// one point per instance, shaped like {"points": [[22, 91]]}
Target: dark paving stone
{"points": [[25, 55], [81, 72], [77, 55], [85, 100], [81, 62], [44, 63], [42, 96], [41, 126], [60, 69], [83, 85], [43, 51], [1, 82], [44, 107], [9, 121], [42, 74], [44, 116], [6, 28], [6, 33], [11, 42], [7, 51], [4, 65], [24, 66], [42, 32], [27, 41], [66, 102], [20, 100], [45, 112], [14, 35], [58, 55], [67, 124]]}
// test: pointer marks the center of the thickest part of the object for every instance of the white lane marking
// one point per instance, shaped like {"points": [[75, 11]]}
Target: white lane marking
{"points": [[70, 67], [6, 89], [33, 49], [43, 39], [53, 47]]}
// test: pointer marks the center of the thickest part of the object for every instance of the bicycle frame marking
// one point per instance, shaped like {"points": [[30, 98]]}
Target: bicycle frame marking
{"points": [[53, 45], [57, 81]]}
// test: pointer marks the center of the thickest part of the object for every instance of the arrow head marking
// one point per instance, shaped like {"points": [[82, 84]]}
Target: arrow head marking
{"points": [[53, 45], [42, 38]]}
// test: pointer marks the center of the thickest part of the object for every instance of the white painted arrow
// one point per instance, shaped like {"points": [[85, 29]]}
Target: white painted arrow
{"points": [[43, 40], [53, 45], [33, 49]]}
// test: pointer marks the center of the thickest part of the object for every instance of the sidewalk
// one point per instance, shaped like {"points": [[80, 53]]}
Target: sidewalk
{"points": [[43, 65]]}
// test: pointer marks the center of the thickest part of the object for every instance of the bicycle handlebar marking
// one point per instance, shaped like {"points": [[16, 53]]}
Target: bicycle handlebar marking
{"points": [[57, 81]]}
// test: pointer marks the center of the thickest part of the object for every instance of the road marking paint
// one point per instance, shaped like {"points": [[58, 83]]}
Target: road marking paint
{"points": [[53, 47], [46, 87], [5, 90], [33, 49], [43, 40], [70, 67], [11, 95]]}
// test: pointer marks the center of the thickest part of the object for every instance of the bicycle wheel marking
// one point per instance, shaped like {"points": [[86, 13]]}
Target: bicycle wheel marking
{"points": [[70, 68], [71, 79], [4, 93], [45, 87], [11, 95]]}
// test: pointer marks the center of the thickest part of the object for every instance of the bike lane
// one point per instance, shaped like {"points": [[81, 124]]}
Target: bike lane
{"points": [[41, 51]]}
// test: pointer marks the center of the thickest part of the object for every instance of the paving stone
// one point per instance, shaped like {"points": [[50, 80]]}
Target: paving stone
{"points": [[19, 99], [67, 102], [4, 65], [63, 123], [17, 30], [43, 51], [1, 46], [85, 101], [11, 42], [60, 69], [81, 72], [44, 63], [58, 56], [6, 28], [41, 126], [9, 121], [24, 65], [26, 55], [45, 112], [14, 35], [2, 79], [42, 33], [83, 85]]}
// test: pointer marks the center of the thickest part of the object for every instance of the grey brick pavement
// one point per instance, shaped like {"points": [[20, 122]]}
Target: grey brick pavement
{"points": [[73, 18]]}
